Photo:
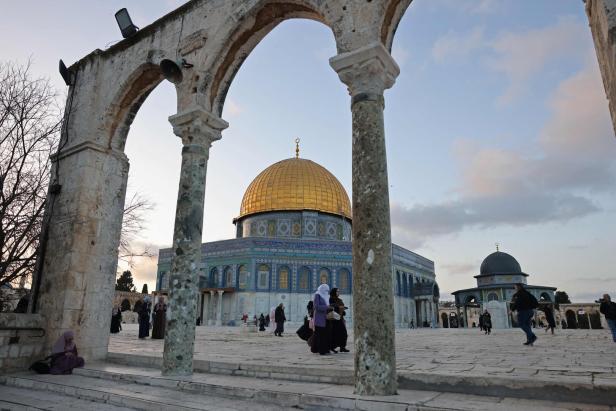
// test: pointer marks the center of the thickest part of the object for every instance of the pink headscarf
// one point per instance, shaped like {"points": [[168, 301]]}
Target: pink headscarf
{"points": [[62, 344]]}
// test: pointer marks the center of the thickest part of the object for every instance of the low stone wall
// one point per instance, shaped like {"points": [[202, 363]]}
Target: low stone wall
{"points": [[22, 341]]}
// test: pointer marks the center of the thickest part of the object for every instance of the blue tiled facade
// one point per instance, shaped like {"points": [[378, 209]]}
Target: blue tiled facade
{"points": [[257, 273]]}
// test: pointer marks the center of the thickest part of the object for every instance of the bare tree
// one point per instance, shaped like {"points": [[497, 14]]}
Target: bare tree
{"points": [[133, 222], [30, 120], [30, 123]]}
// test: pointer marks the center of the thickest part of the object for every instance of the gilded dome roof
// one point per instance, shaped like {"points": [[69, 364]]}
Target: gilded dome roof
{"points": [[295, 184]]}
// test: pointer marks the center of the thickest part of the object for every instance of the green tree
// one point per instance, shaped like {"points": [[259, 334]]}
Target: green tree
{"points": [[144, 289], [125, 282], [561, 297]]}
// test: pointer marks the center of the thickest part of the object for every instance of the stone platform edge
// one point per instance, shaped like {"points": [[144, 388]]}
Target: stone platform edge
{"points": [[526, 388]]}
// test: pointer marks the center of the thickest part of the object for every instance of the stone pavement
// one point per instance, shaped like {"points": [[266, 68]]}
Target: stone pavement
{"points": [[570, 356]]}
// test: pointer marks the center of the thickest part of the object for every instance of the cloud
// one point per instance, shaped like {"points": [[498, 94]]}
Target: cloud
{"points": [[573, 158], [232, 108], [458, 45], [459, 268], [520, 56]]}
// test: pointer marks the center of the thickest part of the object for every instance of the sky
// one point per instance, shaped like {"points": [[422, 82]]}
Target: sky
{"points": [[497, 131]]}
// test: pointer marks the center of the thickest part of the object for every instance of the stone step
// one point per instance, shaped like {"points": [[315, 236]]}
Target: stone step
{"points": [[316, 396], [21, 399], [282, 372], [544, 388], [124, 395]]}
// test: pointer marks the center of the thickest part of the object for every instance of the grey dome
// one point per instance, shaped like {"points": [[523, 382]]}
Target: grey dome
{"points": [[500, 263]]}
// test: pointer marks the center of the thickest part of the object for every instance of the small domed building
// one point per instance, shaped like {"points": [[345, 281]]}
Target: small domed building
{"points": [[498, 274], [293, 233]]}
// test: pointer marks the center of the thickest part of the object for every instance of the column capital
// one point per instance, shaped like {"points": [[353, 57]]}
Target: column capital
{"points": [[196, 126], [368, 70]]}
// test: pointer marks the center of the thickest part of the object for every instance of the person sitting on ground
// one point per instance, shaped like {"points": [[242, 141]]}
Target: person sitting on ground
{"points": [[64, 355], [608, 309]]}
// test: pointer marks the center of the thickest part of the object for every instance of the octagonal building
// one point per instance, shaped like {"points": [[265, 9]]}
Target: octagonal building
{"points": [[293, 232], [498, 274]]}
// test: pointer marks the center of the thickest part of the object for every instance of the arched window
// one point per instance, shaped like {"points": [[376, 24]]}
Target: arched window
{"points": [[242, 272], [229, 280], [214, 277], [263, 276], [323, 276], [344, 281], [304, 279], [492, 297], [283, 278]]}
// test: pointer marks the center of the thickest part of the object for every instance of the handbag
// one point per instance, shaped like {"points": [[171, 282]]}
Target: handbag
{"points": [[332, 315]]}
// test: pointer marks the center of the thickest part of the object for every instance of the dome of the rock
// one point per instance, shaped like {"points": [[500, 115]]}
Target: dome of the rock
{"points": [[295, 184]]}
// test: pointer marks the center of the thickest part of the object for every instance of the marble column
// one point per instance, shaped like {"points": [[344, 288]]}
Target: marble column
{"points": [[219, 310], [198, 129], [368, 72], [206, 309], [211, 314]]}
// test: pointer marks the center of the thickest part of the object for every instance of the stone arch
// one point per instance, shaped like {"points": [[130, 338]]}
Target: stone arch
{"points": [[229, 277], [493, 296], [262, 19], [394, 11], [125, 305], [129, 98]]}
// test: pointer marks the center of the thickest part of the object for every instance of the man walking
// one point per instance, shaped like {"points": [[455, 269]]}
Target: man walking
{"points": [[608, 308], [525, 303]]}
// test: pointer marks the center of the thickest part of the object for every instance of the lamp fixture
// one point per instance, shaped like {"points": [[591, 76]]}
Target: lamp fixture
{"points": [[125, 23]]}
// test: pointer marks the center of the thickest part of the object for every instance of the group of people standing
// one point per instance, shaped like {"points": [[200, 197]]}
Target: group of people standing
{"points": [[157, 323], [485, 322], [277, 313], [324, 328]]}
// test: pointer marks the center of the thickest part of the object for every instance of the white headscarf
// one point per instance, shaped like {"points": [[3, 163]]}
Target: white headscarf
{"points": [[323, 291]]}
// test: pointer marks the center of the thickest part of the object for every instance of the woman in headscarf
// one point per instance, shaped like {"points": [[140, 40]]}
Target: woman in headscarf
{"points": [[321, 340], [144, 319], [339, 331], [261, 323], [64, 355], [160, 319], [116, 320], [280, 318]]}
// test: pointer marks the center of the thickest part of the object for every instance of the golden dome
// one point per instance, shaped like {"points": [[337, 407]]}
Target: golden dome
{"points": [[295, 184]]}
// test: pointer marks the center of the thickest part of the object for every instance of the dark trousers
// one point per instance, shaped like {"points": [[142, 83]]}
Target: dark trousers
{"points": [[320, 340], [524, 317]]}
